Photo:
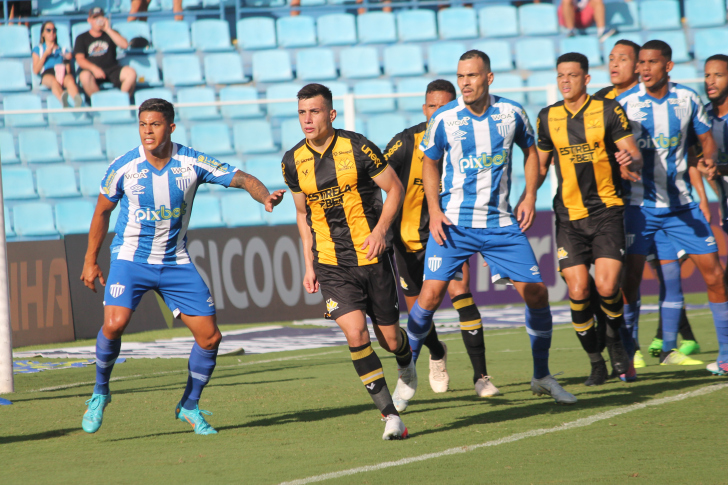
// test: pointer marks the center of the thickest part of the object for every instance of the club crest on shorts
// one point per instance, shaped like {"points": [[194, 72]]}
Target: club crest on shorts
{"points": [[331, 305], [116, 290], [183, 183], [434, 263], [403, 283], [562, 254]]}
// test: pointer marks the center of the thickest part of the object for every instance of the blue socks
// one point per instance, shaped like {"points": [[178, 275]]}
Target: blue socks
{"points": [[201, 364], [720, 319], [629, 330], [106, 353], [671, 304], [418, 327], [539, 328]]}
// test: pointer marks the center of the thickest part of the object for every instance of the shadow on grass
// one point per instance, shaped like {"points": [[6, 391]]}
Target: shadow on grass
{"points": [[56, 433]]}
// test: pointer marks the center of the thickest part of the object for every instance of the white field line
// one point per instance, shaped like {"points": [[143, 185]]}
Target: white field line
{"points": [[579, 423]]}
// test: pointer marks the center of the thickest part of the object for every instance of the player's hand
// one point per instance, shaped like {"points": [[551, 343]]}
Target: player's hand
{"points": [[705, 208], [707, 168], [623, 157], [525, 211], [89, 275], [437, 219], [376, 242], [273, 200], [627, 174], [310, 282]]}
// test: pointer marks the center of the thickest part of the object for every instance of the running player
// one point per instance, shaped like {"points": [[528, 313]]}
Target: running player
{"points": [[476, 134], [156, 184], [335, 177], [411, 230]]}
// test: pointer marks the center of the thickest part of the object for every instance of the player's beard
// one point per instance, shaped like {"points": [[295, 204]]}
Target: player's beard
{"points": [[720, 98]]}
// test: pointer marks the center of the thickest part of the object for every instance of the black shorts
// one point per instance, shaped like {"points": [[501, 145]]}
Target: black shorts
{"points": [[113, 75], [371, 288], [51, 72], [597, 236]]}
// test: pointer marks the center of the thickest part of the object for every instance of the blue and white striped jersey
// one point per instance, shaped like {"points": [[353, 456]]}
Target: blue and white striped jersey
{"points": [[720, 135], [662, 130], [476, 152], [156, 204]]}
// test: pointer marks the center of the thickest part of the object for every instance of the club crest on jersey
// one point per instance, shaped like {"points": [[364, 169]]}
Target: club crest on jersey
{"points": [[183, 183], [344, 165], [116, 290], [403, 283], [682, 112], [504, 129], [137, 189], [562, 254], [331, 305], [434, 263]]}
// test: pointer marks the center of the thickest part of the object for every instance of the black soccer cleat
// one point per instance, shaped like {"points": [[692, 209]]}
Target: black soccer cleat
{"points": [[598, 374], [618, 356]]}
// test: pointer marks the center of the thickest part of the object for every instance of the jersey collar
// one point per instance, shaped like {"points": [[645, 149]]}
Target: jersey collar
{"points": [[330, 146], [583, 106]]}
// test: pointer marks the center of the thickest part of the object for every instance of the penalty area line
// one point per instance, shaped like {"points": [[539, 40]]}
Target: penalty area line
{"points": [[579, 423]]}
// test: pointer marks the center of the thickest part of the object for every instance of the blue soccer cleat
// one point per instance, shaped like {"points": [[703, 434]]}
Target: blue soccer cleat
{"points": [[195, 418], [94, 415]]}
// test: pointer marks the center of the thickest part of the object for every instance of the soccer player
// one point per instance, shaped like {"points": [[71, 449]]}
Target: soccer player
{"points": [[476, 134], [622, 69], [411, 230], [156, 183], [591, 142], [664, 116], [336, 178]]}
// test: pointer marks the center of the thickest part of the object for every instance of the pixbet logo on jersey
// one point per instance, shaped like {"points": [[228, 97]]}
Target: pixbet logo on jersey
{"points": [[484, 161], [162, 214], [660, 141]]}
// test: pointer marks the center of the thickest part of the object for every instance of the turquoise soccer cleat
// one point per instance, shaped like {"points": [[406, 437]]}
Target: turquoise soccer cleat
{"points": [[94, 415], [195, 418]]}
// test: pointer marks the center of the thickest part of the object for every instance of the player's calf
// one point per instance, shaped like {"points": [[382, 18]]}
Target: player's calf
{"points": [[369, 368]]}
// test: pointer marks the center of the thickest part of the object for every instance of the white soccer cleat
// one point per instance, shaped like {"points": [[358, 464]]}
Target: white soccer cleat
{"points": [[394, 429], [548, 385], [439, 378], [485, 388], [406, 386]]}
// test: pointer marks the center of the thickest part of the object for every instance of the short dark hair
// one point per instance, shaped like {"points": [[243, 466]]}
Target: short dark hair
{"points": [[160, 106], [441, 85], [718, 57], [473, 53], [635, 46], [659, 45], [575, 57], [312, 90]]}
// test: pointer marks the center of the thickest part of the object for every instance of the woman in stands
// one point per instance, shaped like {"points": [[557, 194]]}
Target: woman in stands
{"points": [[52, 63]]}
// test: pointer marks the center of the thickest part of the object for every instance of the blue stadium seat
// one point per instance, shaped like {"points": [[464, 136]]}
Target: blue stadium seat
{"points": [[359, 63], [296, 31], [705, 13], [290, 133], [498, 21], [284, 213], [272, 66], [14, 41], [212, 138], [383, 127], [403, 60], [623, 16], [34, 219], [660, 14], [360, 125], [206, 212], [376, 28], [535, 54], [457, 23], [253, 136], [12, 77], [224, 68], [338, 89], [23, 102], [707, 43], [38, 146], [144, 94], [416, 25], [598, 76], [113, 97], [90, 175], [336, 29], [687, 71], [182, 70], [55, 7], [74, 216], [146, 68], [283, 91], [82, 145], [267, 170], [315, 65], [78, 29], [256, 33], [58, 180], [197, 95], [584, 44], [121, 139], [135, 29], [676, 40], [538, 98], [608, 44], [239, 93], [508, 80], [180, 135], [65, 118], [499, 52], [63, 35], [170, 36], [18, 183], [538, 19], [9, 232], [443, 57], [374, 105], [411, 85], [240, 209], [7, 148], [211, 35]]}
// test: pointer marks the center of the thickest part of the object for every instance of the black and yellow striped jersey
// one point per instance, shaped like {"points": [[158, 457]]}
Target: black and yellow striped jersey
{"points": [[343, 203], [411, 229], [610, 92], [583, 144]]}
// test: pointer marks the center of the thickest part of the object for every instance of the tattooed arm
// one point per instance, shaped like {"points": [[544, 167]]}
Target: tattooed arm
{"points": [[257, 190]]}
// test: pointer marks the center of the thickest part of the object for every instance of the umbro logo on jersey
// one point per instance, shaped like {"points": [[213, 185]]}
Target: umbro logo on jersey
{"points": [[183, 183], [710, 241], [137, 175], [137, 189], [458, 135], [638, 116], [434, 263], [116, 290], [504, 129]]}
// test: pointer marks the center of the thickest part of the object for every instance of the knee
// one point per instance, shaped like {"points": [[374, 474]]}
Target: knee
{"points": [[607, 288], [537, 295], [579, 291], [212, 342], [114, 326], [429, 298], [86, 78], [390, 342]]}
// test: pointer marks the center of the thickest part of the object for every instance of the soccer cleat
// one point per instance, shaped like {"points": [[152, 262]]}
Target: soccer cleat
{"points": [[618, 356], [485, 388], [688, 347], [94, 415], [718, 370], [406, 386], [639, 360], [630, 375], [394, 429], [550, 386], [677, 358], [656, 347], [195, 418], [598, 374], [439, 378]]}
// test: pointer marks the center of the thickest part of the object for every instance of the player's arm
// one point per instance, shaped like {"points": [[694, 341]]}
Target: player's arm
{"points": [[707, 163], [629, 159], [388, 181], [257, 190], [118, 39], [696, 179], [545, 147], [96, 234], [431, 184], [310, 283], [526, 208]]}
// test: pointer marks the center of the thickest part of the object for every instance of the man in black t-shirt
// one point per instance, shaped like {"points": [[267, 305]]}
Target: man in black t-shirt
{"points": [[95, 53]]}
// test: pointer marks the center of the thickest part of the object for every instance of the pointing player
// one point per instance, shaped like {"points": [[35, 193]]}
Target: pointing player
{"points": [[336, 178], [476, 134], [156, 184]]}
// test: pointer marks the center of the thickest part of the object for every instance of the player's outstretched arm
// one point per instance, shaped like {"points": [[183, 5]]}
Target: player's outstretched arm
{"points": [[377, 240], [96, 234], [710, 151], [310, 282], [526, 208], [257, 190], [431, 184]]}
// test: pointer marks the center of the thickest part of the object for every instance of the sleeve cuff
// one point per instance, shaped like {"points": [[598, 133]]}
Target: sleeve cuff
{"points": [[625, 136]]}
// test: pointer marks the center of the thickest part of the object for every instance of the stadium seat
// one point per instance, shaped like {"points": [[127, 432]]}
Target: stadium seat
{"points": [[38, 146], [284, 213], [23, 102], [508, 80], [416, 25], [7, 148], [533, 54], [144, 94], [146, 68], [676, 40], [63, 35], [283, 91], [403, 60], [584, 44], [253, 136], [82, 145], [360, 125], [411, 85], [197, 95], [680, 72], [499, 52], [290, 133], [74, 216], [538, 19], [58, 180], [537, 79], [272, 66], [256, 33], [206, 212], [170, 36], [18, 183], [336, 29], [212, 138], [338, 89], [14, 41], [12, 76], [65, 118], [182, 70], [623, 16], [239, 93], [498, 21], [660, 14], [457, 23], [34, 219], [315, 65], [121, 139], [376, 28], [359, 63], [224, 68], [374, 105], [707, 43], [383, 127], [443, 57], [598, 76], [211, 35], [78, 29], [267, 170], [9, 232], [55, 7], [132, 30], [239, 209], [90, 175], [113, 98], [608, 44], [297, 31], [180, 135], [705, 13]]}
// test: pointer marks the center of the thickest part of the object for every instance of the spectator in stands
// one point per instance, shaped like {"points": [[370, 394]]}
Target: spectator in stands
{"points": [[580, 14], [51, 62], [95, 53], [143, 6]]}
